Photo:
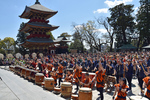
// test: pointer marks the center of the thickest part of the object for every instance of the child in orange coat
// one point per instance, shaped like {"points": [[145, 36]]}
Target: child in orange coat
{"points": [[121, 90]]}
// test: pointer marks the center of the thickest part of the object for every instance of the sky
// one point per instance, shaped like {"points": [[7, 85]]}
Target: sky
{"points": [[69, 12]]}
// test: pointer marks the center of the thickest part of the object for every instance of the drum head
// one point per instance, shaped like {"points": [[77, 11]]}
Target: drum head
{"points": [[84, 89], [39, 74], [74, 95], [49, 79], [66, 84], [135, 97]]}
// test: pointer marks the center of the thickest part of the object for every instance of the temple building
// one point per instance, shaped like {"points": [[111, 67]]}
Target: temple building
{"points": [[37, 26]]}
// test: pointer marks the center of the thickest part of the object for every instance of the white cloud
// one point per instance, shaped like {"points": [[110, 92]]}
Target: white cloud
{"points": [[136, 10], [101, 30], [104, 10], [111, 3], [78, 27]]}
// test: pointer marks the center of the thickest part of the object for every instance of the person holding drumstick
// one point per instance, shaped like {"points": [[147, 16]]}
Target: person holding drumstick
{"points": [[60, 73], [86, 80], [77, 75], [54, 75], [121, 90], [69, 76], [100, 79], [129, 71], [141, 74]]}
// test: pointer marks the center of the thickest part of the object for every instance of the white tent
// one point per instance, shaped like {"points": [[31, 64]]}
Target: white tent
{"points": [[146, 47]]}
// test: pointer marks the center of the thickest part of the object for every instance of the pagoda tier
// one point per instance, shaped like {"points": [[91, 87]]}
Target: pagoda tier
{"points": [[34, 26], [37, 10]]}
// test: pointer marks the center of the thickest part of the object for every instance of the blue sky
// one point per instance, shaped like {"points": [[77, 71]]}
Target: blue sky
{"points": [[69, 12]]}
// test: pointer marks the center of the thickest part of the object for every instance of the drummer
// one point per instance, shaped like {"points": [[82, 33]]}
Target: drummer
{"points": [[60, 73], [54, 76], [121, 90], [140, 73], [100, 79], [109, 68], [146, 84], [69, 76], [77, 75], [86, 81], [119, 70], [49, 67], [129, 72]]}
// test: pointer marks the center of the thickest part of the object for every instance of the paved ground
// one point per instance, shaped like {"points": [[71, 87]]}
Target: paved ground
{"points": [[22, 89], [14, 87]]}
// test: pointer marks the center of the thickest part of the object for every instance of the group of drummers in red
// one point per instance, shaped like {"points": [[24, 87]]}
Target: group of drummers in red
{"points": [[121, 66]]}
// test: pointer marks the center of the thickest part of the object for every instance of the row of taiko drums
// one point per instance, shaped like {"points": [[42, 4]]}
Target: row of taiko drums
{"points": [[49, 84]]}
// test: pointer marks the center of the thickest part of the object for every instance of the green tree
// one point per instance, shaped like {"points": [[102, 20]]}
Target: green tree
{"points": [[143, 23], [78, 35], [8, 43], [51, 35], [21, 38], [76, 45], [1, 47], [122, 21], [65, 34]]}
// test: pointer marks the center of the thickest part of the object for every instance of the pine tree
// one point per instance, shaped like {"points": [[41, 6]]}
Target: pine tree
{"points": [[143, 23], [21, 38]]}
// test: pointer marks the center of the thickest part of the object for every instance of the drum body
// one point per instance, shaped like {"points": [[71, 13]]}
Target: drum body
{"points": [[32, 75], [85, 93], [23, 72], [57, 90], [39, 78], [17, 70], [66, 89], [12, 68], [49, 84], [27, 74], [74, 97]]}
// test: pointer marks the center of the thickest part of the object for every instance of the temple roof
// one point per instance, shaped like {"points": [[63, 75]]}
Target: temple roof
{"points": [[41, 8], [37, 8], [38, 25], [61, 39]]}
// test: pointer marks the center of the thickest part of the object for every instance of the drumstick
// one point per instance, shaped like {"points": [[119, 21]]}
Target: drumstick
{"points": [[143, 69]]}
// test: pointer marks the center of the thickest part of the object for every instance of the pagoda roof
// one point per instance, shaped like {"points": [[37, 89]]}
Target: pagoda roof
{"points": [[37, 8], [61, 39], [38, 25], [37, 42]]}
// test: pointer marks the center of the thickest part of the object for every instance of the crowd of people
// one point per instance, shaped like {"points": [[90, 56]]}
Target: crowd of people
{"points": [[69, 67]]}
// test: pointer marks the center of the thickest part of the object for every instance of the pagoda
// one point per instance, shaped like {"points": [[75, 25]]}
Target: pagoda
{"points": [[37, 27]]}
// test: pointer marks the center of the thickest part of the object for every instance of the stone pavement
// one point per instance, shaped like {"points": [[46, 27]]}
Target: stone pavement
{"points": [[24, 90]]}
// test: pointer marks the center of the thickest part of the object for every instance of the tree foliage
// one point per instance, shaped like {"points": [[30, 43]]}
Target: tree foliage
{"points": [[21, 38], [122, 21], [76, 45], [143, 20], [51, 35], [65, 34], [7, 43]]}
